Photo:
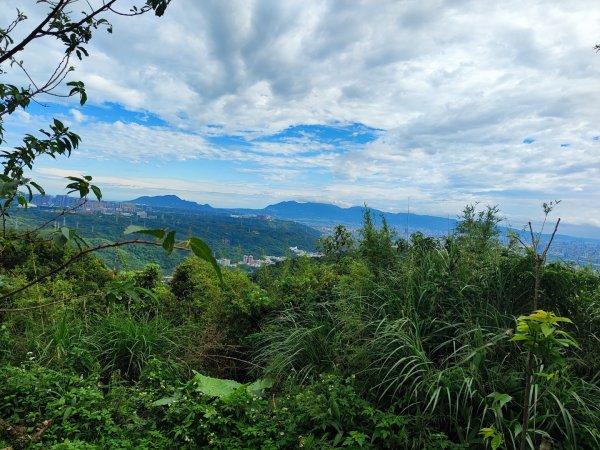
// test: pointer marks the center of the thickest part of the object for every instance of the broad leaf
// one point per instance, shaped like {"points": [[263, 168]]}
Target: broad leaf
{"points": [[216, 387], [138, 229], [169, 241], [203, 251], [258, 387]]}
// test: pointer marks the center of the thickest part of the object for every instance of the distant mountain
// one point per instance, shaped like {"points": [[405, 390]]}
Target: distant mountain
{"points": [[323, 216], [172, 201], [330, 214]]}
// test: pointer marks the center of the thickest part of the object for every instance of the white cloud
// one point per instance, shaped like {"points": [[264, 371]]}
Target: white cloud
{"points": [[456, 85]]}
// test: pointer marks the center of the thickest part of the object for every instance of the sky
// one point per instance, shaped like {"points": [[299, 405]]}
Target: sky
{"points": [[247, 103]]}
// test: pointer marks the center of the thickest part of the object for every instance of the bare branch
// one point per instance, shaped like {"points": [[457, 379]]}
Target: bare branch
{"points": [[49, 221], [533, 241], [129, 14], [35, 33], [551, 239]]}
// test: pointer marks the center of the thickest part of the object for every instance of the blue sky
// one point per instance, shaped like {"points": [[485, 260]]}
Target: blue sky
{"points": [[247, 103]]}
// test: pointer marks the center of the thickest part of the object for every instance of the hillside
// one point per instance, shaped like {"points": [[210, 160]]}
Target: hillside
{"points": [[229, 237], [370, 344]]}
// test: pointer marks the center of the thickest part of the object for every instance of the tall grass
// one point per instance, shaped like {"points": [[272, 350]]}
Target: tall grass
{"points": [[431, 339], [124, 345]]}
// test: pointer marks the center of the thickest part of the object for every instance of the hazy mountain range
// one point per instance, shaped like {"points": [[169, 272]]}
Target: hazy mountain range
{"points": [[322, 215]]}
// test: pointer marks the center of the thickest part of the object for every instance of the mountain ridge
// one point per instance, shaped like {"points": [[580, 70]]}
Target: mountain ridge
{"points": [[325, 214], [171, 201]]}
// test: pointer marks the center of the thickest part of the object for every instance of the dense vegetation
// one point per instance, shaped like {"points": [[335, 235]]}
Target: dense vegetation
{"points": [[383, 343]]}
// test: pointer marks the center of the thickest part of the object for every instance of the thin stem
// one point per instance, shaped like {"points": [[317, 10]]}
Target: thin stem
{"points": [[528, 375], [53, 219]]}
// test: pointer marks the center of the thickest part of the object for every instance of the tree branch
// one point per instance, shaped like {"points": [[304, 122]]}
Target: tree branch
{"points": [[49, 221], [34, 34], [551, 239], [76, 25]]}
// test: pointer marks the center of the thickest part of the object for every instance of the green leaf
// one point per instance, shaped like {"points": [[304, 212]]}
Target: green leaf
{"points": [[561, 319], [168, 400], [38, 187], [169, 241], [138, 229], [97, 192], [487, 432], [258, 387], [203, 251], [502, 399], [59, 240], [216, 387], [22, 201], [496, 441], [547, 329], [66, 232]]}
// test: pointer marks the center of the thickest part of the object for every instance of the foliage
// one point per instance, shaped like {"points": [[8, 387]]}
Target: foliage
{"points": [[377, 244], [228, 237], [478, 229], [123, 345], [218, 316], [75, 33], [338, 244], [421, 353]]}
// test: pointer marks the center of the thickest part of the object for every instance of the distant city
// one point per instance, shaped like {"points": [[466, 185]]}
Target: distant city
{"points": [[250, 261]]}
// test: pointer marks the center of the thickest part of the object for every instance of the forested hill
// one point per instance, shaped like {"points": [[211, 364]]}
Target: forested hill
{"points": [[172, 201], [228, 237]]}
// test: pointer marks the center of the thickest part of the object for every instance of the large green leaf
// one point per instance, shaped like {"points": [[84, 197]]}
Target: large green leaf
{"points": [[138, 229], [222, 388], [203, 251], [259, 386], [169, 241], [216, 387]]}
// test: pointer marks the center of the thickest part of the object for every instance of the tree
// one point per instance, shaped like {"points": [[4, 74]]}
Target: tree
{"points": [[478, 230], [377, 245], [74, 31], [338, 244]]}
